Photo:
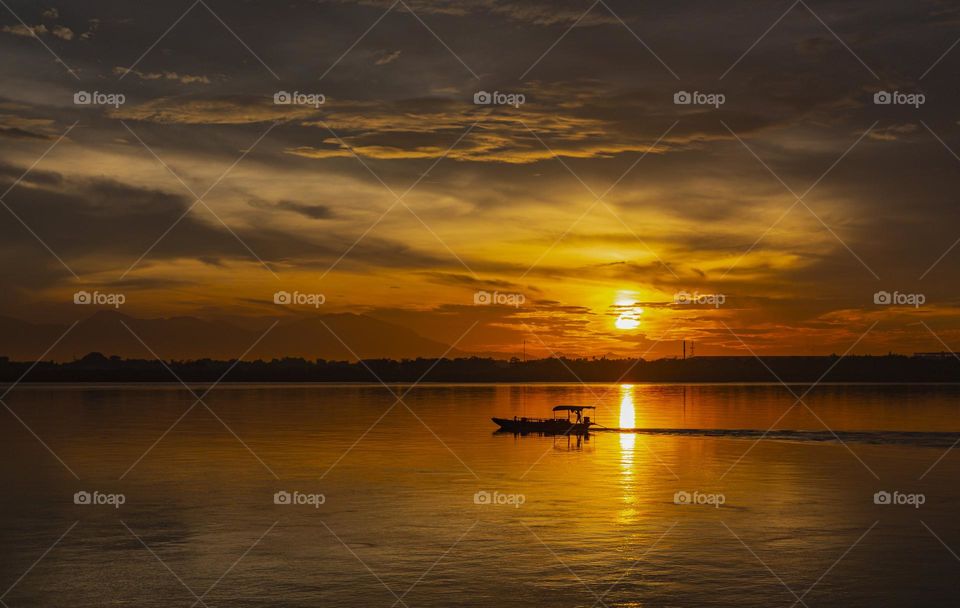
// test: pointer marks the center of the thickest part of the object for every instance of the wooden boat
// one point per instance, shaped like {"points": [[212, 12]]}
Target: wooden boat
{"points": [[550, 426]]}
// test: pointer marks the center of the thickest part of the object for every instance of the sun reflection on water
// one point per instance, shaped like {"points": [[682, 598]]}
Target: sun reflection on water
{"points": [[628, 418], [628, 478]]}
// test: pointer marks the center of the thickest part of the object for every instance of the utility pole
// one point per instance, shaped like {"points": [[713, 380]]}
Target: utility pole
{"points": [[684, 350]]}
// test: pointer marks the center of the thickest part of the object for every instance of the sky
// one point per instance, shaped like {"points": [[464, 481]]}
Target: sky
{"points": [[586, 211]]}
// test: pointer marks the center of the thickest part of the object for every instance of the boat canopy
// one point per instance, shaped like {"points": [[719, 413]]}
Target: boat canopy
{"points": [[573, 408]]}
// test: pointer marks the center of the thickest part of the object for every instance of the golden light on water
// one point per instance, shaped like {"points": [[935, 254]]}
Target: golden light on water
{"points": [[628, 415], [628, 419], [628, 473]]}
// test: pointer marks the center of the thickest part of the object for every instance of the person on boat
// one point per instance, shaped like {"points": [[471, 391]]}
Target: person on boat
{"points": [[579, 416]]}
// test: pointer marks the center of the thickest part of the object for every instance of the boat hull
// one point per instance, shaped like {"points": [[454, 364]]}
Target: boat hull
{"points": [[543, 427]]}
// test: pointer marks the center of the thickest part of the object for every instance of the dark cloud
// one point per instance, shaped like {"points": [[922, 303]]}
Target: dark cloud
{"points": [[465, 280], [98, 225], [311, 211], [387, 57]]}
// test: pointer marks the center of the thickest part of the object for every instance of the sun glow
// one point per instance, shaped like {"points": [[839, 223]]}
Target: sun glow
{"points": [[626, 304], [629, 319], [628, 415], [628, 419]]}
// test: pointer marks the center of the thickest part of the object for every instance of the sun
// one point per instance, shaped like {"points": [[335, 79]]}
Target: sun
{"points": [[626, 304], [629, 319]]}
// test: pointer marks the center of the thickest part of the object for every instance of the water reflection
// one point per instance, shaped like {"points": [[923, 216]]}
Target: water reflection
{"points": [[628, 481], [571, 443], [400, 497], [628, 419]]}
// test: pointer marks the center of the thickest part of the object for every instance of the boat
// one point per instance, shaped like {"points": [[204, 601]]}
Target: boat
{"points": [[550, 426]]}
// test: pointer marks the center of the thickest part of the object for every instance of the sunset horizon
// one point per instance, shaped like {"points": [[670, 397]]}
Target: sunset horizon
{"points": [[460, 303], [716, 201], [334, 336]]}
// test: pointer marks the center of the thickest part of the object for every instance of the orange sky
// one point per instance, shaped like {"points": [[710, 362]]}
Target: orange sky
{"points": [[599, 200]]}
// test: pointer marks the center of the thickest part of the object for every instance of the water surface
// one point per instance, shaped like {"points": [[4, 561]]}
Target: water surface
{"points": [[401, 525]]}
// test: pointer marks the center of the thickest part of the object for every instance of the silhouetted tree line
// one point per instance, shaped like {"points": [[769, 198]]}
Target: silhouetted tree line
{"points": [[890, 368]]}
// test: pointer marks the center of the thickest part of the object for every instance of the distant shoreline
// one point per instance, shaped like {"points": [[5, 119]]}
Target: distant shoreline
{"points": [[241, 384], [939, 368]]}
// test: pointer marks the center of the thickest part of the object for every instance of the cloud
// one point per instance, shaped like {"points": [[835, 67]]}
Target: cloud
{"points": [[182, 78], [20, 29], [212, 111], [21, 127], [893, 132], [93, 26], [533, 11], [36, 177], [25, 30], [119, 221], [464, 280], [64, 33], [426, 128], [580, 119], [386, 58], [311, 211]]}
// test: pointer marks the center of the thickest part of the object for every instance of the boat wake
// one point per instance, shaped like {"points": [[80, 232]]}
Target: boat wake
{"points": [[909, 438]]}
